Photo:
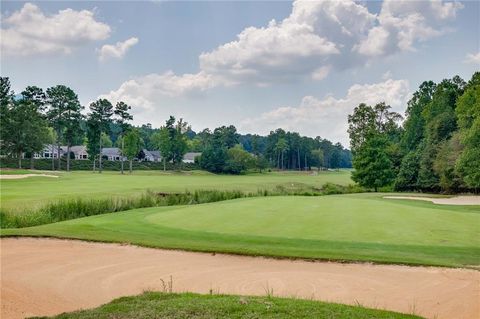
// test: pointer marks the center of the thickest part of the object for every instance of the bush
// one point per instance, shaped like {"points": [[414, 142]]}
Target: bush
{"points": [[87, 165]]}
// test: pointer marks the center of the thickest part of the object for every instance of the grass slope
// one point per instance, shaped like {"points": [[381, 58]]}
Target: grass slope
{"points": [[357, 227], [35, 192], [195, 306]]}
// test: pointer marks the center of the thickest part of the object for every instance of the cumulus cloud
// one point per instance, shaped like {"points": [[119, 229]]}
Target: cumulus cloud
{"points": [[144, 91], [30, 31], [328, 117], [401, 24], [316, 39], [117, 50], [473, 58]]}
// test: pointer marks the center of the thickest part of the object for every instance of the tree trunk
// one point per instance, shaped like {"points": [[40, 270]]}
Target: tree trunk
{"points": [[164, 165], [31, 162], [68, 157], [306, 161], [94, 162], [131, 166], [53, 158], [20, 159], [58, 154], [298, 156], [123, 152], [100, 158], [375, 189]]}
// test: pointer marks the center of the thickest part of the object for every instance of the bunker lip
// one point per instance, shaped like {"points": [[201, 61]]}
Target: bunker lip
{"points": [[50, 276], [20, 176], [457, 200]]}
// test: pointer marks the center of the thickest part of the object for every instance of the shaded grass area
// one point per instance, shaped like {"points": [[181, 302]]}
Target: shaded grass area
{"points": [[360, 227], [33, 193], [196, 306], [77, 207]]}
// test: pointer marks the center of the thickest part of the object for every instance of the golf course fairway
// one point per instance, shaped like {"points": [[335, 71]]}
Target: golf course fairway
{"points": [[356, 227]]}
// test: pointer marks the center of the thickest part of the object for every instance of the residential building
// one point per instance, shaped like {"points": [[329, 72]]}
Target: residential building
{"points": [[190, 157]]}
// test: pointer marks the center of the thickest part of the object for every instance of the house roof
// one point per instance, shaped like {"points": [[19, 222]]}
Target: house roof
{"points": [[79, 149], [152, 154], [191, 156], [111, 151]]}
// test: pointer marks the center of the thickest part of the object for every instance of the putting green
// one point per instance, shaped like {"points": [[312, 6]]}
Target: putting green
{"points": [[341, 227], [340, 218]]}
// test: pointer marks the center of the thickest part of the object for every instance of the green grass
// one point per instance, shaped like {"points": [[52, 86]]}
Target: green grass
{"points": [[356, 227], [195, 306], [30, 193]]}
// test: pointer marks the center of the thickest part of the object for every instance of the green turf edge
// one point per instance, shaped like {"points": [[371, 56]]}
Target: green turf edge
{"points": [[197, 306], [253, 254]]}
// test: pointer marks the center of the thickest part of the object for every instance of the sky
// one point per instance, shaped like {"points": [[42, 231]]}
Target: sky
{"points": [[301, 65]]}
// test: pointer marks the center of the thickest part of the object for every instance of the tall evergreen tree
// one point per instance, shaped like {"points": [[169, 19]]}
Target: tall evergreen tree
{"points": [[100, 119], [122, 118], [64, 116]]}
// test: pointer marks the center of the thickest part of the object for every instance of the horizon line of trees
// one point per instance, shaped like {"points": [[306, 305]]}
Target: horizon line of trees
{"points": [[437, 148], [37, 117]]}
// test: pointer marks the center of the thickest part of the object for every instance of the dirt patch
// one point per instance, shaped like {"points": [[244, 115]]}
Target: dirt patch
{"points": [[20, 176], [49, 276], [457, 200]]}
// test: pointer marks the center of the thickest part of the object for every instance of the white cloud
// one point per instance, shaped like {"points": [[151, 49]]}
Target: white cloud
{"points": [[29, 31], [403, 23], [117, 50], [473, 58], [328, 117], [144, 91], [321, 73], [316, 39]]}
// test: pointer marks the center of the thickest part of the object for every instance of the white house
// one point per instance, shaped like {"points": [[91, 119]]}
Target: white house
{"points": [[80, 152], [151, 156], [112, 154], [49, 151]]}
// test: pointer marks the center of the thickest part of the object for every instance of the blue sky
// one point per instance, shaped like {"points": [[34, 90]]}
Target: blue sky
{"points": [[304, 72]]}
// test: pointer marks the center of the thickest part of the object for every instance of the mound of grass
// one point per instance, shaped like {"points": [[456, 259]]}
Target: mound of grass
{"points": [[357, 227], [196, 306]]}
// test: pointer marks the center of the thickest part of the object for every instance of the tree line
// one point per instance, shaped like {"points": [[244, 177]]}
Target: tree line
{"points": [[436, 148], [36, 117]]}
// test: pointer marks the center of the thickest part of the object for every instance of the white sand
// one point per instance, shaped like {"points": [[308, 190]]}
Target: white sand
{"points": [[457, 200], [48, 276]]}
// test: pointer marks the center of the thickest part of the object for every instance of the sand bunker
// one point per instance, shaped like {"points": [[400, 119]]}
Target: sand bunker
{"points": [[457, 200], [20, 176], [50, 276]]}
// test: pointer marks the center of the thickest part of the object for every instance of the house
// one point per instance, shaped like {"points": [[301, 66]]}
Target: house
{"points": [[112, 154], [49, 151], [150, 156], [80, 152], [190, 157]]}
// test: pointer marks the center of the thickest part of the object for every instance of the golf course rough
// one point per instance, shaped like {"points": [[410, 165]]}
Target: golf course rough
{"points": [[356, 227]]}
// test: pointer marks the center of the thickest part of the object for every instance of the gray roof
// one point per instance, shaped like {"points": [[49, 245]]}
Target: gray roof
{"points": [[152, 154], [111, 151], [191, 156], [79, 149]]}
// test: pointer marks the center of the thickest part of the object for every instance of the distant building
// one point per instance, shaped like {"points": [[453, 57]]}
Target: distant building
{"points": [[190, 157], [112, 154], [80, 152], [150, 156], [49, 151]]}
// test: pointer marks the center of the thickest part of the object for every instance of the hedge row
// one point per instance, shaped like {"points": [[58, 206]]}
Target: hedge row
{"points": [[85, 165]]}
